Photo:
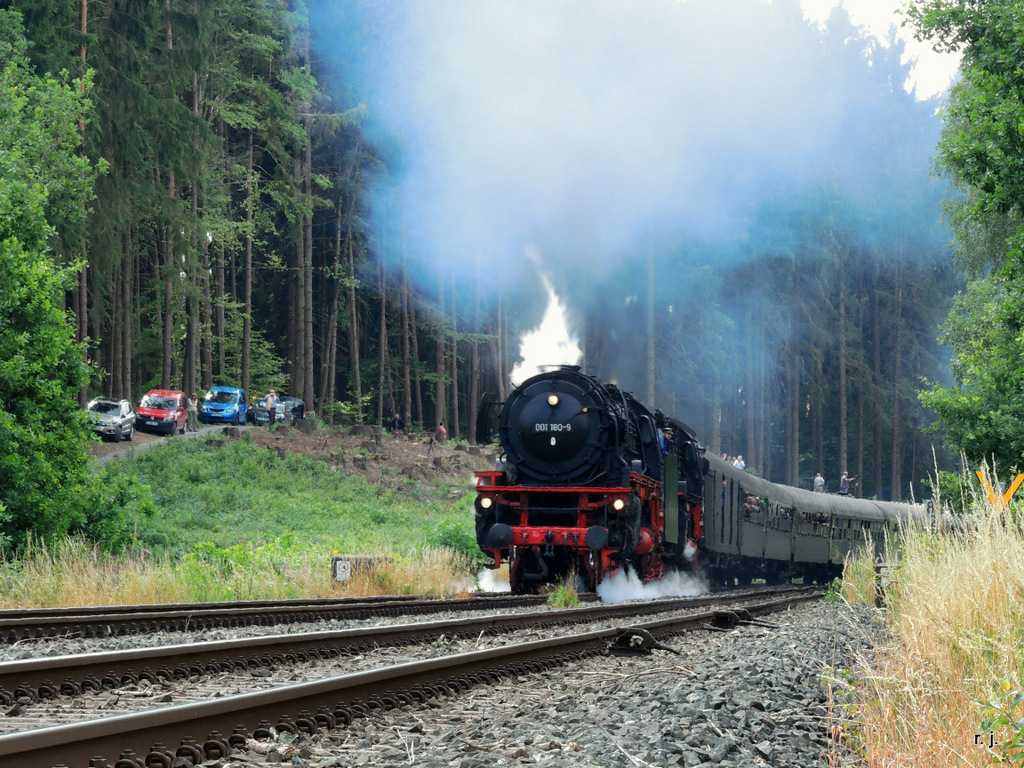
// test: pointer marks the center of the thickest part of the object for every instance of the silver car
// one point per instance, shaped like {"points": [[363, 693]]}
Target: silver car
{"points": [[282, 414], [112, 419]]}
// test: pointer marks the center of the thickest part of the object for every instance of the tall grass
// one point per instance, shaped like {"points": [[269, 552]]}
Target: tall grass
{"points": [[955, 614], [72, 573]]}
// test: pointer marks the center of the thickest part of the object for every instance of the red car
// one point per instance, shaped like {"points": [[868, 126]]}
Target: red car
{"points": [[162, 410]]}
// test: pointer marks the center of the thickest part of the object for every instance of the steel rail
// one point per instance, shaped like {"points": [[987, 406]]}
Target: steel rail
{"points": [[109, 621], [142, 736], [46, 678]]}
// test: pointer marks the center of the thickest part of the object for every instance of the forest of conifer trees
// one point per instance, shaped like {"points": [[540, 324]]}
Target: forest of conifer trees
{"points": [[248, 229]]}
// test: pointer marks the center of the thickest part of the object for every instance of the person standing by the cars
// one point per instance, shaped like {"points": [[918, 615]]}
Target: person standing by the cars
{"points": [[193, 411], [271, 406]]}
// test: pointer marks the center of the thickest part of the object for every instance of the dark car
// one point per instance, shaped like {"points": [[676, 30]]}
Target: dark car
{"points": [[296, 407], [163, 410], [112, 419], [288, 410]]}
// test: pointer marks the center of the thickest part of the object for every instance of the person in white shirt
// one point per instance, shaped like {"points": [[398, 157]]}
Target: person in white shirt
{"points": [[271, 403]]}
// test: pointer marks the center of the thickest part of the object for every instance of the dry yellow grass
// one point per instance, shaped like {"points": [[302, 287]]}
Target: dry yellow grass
{"points": [[955, 612], [73, 574]]}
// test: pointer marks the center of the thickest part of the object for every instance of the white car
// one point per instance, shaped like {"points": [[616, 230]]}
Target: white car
{"points": [[112, 419]]}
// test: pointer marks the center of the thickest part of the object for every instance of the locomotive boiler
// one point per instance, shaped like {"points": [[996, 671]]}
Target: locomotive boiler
{"points": [[590, 482]]}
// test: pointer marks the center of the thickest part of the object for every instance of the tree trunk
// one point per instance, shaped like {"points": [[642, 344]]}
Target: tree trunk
{"points": [[876, 387], [82, 303], [842, 373], [818, 413], [440, 369], [327, 389], [297, 295], [166, 371], [715, 412], [860, 440], [116, 337], [221, 320], [250, 201], [192, 337], [329, 361], [897, 365], [406, 371], [417, 383], [307, 270], [192, 342], [792, 417], [764, 464], [353, 330], [453, 432], [127, 326], [205, 320], [382, 338], [499, 357], [651, 357], [474, 366], [748, 412]]}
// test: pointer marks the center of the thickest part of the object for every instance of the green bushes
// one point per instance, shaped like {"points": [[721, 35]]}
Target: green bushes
{"points": [[459, 537], [240, 492]]}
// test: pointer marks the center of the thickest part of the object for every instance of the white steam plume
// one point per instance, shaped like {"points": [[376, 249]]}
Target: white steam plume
{"points": [[489, 580], [550, 343], [626, 585]]}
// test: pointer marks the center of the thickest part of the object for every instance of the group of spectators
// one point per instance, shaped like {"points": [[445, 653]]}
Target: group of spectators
{"points": [[397, 427], [818, 484], [751, 506], [735, 461]]}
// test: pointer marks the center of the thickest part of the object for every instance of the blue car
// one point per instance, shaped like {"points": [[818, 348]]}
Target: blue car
{"points": [[227, 405]]}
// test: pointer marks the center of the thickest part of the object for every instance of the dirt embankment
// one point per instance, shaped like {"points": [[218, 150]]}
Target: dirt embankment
{"points": [[380, 457], [368, 452]]}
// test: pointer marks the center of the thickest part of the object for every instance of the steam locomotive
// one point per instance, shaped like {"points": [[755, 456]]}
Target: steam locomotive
{"points": [[590, 482]]}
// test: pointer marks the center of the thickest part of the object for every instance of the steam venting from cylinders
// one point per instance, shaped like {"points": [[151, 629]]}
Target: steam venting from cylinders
{"points": [[626, 585]]}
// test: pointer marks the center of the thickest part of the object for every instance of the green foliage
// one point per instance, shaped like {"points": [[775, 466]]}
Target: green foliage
{"points": [[460, 537], [243, 494], [983, 413], [1000, 712], [266, 367], [564, 596], [346, 412], [113, 506], [43, 178], [985, 109], [956, 491], [980, 150], [834, 594], [232, 572], [45, 487]]}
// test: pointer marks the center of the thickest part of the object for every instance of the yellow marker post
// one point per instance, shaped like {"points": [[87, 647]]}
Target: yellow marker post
{"points": [[1005, 499]]}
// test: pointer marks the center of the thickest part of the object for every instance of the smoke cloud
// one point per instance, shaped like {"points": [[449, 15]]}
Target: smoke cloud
{"points": [[585, 126], [685, 133], [551, 342]]}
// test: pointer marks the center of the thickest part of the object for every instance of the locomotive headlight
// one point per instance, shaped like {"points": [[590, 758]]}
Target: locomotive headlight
{"points": [[618, 505], [553, 400], [486, 502]]}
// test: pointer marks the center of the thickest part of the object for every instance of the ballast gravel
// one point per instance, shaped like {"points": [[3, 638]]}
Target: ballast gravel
{"points": [[755, 695]]}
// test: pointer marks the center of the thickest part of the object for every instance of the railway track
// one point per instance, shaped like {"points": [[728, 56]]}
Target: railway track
{"points": [[233, 721], [17, 625]]}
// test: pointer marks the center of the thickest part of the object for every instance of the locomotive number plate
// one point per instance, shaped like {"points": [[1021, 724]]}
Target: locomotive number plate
{"points": [[552, 427]]}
